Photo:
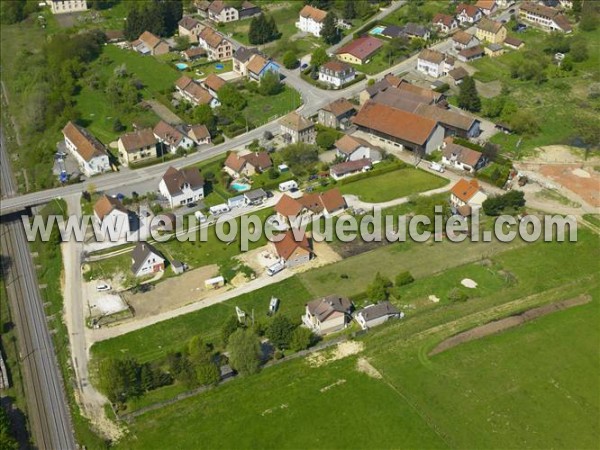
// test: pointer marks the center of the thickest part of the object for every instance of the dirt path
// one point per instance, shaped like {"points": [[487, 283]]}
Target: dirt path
{"points": [[504, 324]]}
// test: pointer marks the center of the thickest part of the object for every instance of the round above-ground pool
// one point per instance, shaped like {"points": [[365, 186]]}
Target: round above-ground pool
{"points": [[181, 66], [377, 30]]}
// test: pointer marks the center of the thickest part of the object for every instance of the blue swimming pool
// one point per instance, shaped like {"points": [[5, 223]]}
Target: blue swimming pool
{"points": [[378, 30], [181, 66], [239, 187], [219, 66]]}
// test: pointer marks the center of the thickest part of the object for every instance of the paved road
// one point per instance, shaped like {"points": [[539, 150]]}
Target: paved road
{"points": [[46, 399]]}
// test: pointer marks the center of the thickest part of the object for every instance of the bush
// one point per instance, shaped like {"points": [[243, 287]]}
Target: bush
{"points": [[280, 331], [326, 139], [456, 295], [494, 206], [218, 140], [301, 339], [290, 61], [378, 290], [403, 278]]}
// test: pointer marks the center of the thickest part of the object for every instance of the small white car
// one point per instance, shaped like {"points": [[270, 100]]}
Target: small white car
{"points": [[275, 269], [103, 288], [437, 167]]}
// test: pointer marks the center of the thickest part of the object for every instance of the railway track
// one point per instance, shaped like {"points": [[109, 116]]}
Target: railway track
{"points": [[47, 406]]}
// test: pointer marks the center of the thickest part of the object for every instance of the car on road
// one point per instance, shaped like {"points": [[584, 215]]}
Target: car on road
{"points": [[103, 287]]}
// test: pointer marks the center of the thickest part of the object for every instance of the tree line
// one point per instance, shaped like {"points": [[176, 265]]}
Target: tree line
{"points": [[159, 17]]}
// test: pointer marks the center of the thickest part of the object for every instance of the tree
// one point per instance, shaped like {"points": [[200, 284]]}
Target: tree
{"points": [[229, 328], [319, 57], [494, 206], [403, 278], [119, 379], [326, 139], [7, 440], [378, 290], [349, 10], [203, 114], [244, 351], [589, 22], [290, 60], [300, 157], [301, 339], [579, 50], [587, 127], [201, 356], [118, 126], [280, 331], [330, 32], [231, 98], [270, 84], [468, 98], [263, 29], [525, 122], [182, 43]]}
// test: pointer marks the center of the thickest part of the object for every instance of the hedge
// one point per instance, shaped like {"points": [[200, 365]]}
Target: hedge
{"points": [[152, 162], [373, 173]]}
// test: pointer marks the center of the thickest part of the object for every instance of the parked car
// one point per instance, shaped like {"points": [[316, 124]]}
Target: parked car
{"points": [[103, 287], [275, 269], [304, 66], [437, 167]]}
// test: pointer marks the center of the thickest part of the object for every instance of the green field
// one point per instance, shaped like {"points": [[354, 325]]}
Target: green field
{"points": [[534, 386], [261, 109], [392, 185]]}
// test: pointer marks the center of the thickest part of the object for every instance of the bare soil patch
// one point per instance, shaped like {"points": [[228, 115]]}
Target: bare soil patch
{"points": [[363, 365], [342, 350], [509, 322]]}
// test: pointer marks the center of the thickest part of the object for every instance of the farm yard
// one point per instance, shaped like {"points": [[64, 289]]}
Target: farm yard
{"points": [[495, 377]]}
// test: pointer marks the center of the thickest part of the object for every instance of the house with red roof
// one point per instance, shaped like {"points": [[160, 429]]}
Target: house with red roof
{"points": [[468, 14], [466, 195], [311, 20], [359, 51], [292, 248]]}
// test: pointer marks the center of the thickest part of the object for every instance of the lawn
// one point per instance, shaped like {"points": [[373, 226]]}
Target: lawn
{"points": [[378, 64], [392, 185], [532, 386], [261, 109]]}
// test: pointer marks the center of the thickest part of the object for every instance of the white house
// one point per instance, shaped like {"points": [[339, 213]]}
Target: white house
{"points": [[311, 20], [146, 260], [349, 168], [181, 187], [374, 315], [336, 73], [111, 213], [220, 11], [462, 40], [190, 27], [327, 314], [90, 154], [461, 158], [171, 137], [352, 148], [433, 63], [445, 23], [468, 14], [67, 6]]}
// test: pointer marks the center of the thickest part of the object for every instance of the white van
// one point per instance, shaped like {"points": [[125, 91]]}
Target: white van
{"points": [[275, 269], [219, 209]]}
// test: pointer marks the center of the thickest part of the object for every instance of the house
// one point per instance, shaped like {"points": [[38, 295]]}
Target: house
{"points": [[146, 260], [199, 134], [190, 27], [494, 50], [491, 31], [150, 44], [202, 8], [247, 165], [514, 43], [548, 19], [453, 122], [433, 63], [112, 214], [466, 195], [216, 45], [395, 128], [255, 197], [458, 74], [248, 9], [327, 314], [194, 93], [462, 158], [399, 87], [352, 148], [90, 154], [360, 50], [193, 53], [241, 58], [137, 146], [462, 39], [487, 7], [182, 186], [413, 30], [349, 168], [445, 23], [296, 128], [67, 6], [468, 14], [311, 20], [171, 137], [213, 83], [258, 66], [326, 203], [393, 32], [336, 113], [220, 11], [471, 54], [292, 251], [388, 81], [374, 315], [336, 73]]}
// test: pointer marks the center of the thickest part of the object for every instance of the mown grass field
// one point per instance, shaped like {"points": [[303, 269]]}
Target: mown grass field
{"points": [[534, 386], [392, 185]]}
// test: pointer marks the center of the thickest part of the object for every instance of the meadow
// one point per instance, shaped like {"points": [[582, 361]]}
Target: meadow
{"points": [[534, 386]]}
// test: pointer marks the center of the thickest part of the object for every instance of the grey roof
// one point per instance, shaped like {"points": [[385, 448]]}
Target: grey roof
{"points": [[379, 310], [495, 47], [324, 307], [255, 194], [414, 29], [176, 263], [393, 31], [140, 253], [243, 54]]}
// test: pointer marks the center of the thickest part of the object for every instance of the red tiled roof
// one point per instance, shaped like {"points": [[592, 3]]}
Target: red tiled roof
{"points": [[350, 166], [214, 82], [309, 12], [105, 205], [443, 18], [339, 107], [361, 48], [87, 145], [288, 206], [464, 190], [288, 245]]}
